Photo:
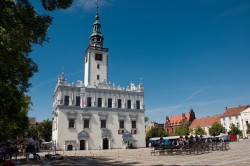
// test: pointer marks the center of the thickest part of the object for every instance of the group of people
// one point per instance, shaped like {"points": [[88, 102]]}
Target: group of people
{"points": [[183, 141], [10, 150], [32, 149]]}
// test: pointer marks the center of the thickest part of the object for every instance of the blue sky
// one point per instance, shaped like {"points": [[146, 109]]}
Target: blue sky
{"points": [[190, 54]]}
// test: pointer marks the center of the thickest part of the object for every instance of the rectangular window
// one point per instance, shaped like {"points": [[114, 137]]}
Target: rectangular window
{"points": [[78, 100], [119, 101], [86, 123], [238, 124], [138, 104], [121, 124], [109, 103], [66, 100], [134, 131], [89, 101], [98, 77], [98, 66], [133, 124], [103, 123], [98, 57], [129, 104], [99, 102], [247, 122], [71, 123]]}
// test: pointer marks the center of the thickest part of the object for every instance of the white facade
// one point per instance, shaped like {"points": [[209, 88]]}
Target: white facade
{"points": [[245, 117], [234, 119], [97, 115]]}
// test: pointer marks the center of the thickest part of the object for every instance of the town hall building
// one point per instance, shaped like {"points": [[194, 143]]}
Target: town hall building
{"points": [[96, 114]]}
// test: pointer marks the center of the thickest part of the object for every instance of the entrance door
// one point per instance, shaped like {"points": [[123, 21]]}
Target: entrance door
{"points": [[82, 145], [105, 144]]}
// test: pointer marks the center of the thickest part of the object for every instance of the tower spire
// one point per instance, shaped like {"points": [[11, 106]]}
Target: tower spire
{"points": [[96, 6], [96, 38]]}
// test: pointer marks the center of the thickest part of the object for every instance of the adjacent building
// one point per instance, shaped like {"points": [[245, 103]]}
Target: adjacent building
{"points": [[175, 121], [245, 118], [96, 114], [152, 124], [205, 123], [234, 116]]}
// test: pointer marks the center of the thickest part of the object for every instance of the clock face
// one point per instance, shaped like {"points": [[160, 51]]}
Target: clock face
{"points": [[98, 57]]}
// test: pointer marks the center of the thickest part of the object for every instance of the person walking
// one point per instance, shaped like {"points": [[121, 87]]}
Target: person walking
{"points": [[28, 151]]}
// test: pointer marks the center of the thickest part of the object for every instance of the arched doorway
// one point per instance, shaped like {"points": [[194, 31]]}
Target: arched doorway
{"points": [[82, 145], [105, 143], [70, 147]]}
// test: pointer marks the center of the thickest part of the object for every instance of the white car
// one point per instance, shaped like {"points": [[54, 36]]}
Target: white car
{"points": [[56, 157]]}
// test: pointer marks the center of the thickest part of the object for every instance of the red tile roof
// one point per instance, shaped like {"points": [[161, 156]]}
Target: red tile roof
{"points": [[178, 118], [205, 122], [234, 111]]}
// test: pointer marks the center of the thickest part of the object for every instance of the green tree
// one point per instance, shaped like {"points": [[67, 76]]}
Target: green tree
{"points": [[234, 130], [183, 129], [199, 131], [216, 129], [20, 27], [248, 128], [156, 132], [45, 130]]}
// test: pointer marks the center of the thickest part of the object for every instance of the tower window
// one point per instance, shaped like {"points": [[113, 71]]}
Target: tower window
{"points": [[129, 104], [109, 103], [137, 104], [89, 101], [103, 123], [121, 124], [71, 123], [98, 57], [99, 102], [98, 66], [86, 123], [133, 124], [98, 77], [66, 100], [78, 100], [119, 101]]}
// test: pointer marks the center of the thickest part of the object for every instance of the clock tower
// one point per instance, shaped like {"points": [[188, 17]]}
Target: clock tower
{"points": [[96, 57]]}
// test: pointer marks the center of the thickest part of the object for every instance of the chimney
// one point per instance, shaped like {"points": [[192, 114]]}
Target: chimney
{"points": [[226, 108]]}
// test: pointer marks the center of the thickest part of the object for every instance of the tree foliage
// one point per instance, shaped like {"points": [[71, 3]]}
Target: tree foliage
{"points": [[20, 27], [156, 132], [234, 130], [183, 129], [248, 128], [45, 130], [199, 131], [41, 131], [216, 129], [146, 119]]}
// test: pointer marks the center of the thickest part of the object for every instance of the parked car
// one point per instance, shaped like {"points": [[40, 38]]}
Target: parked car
{"points": [[56, 157]]}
